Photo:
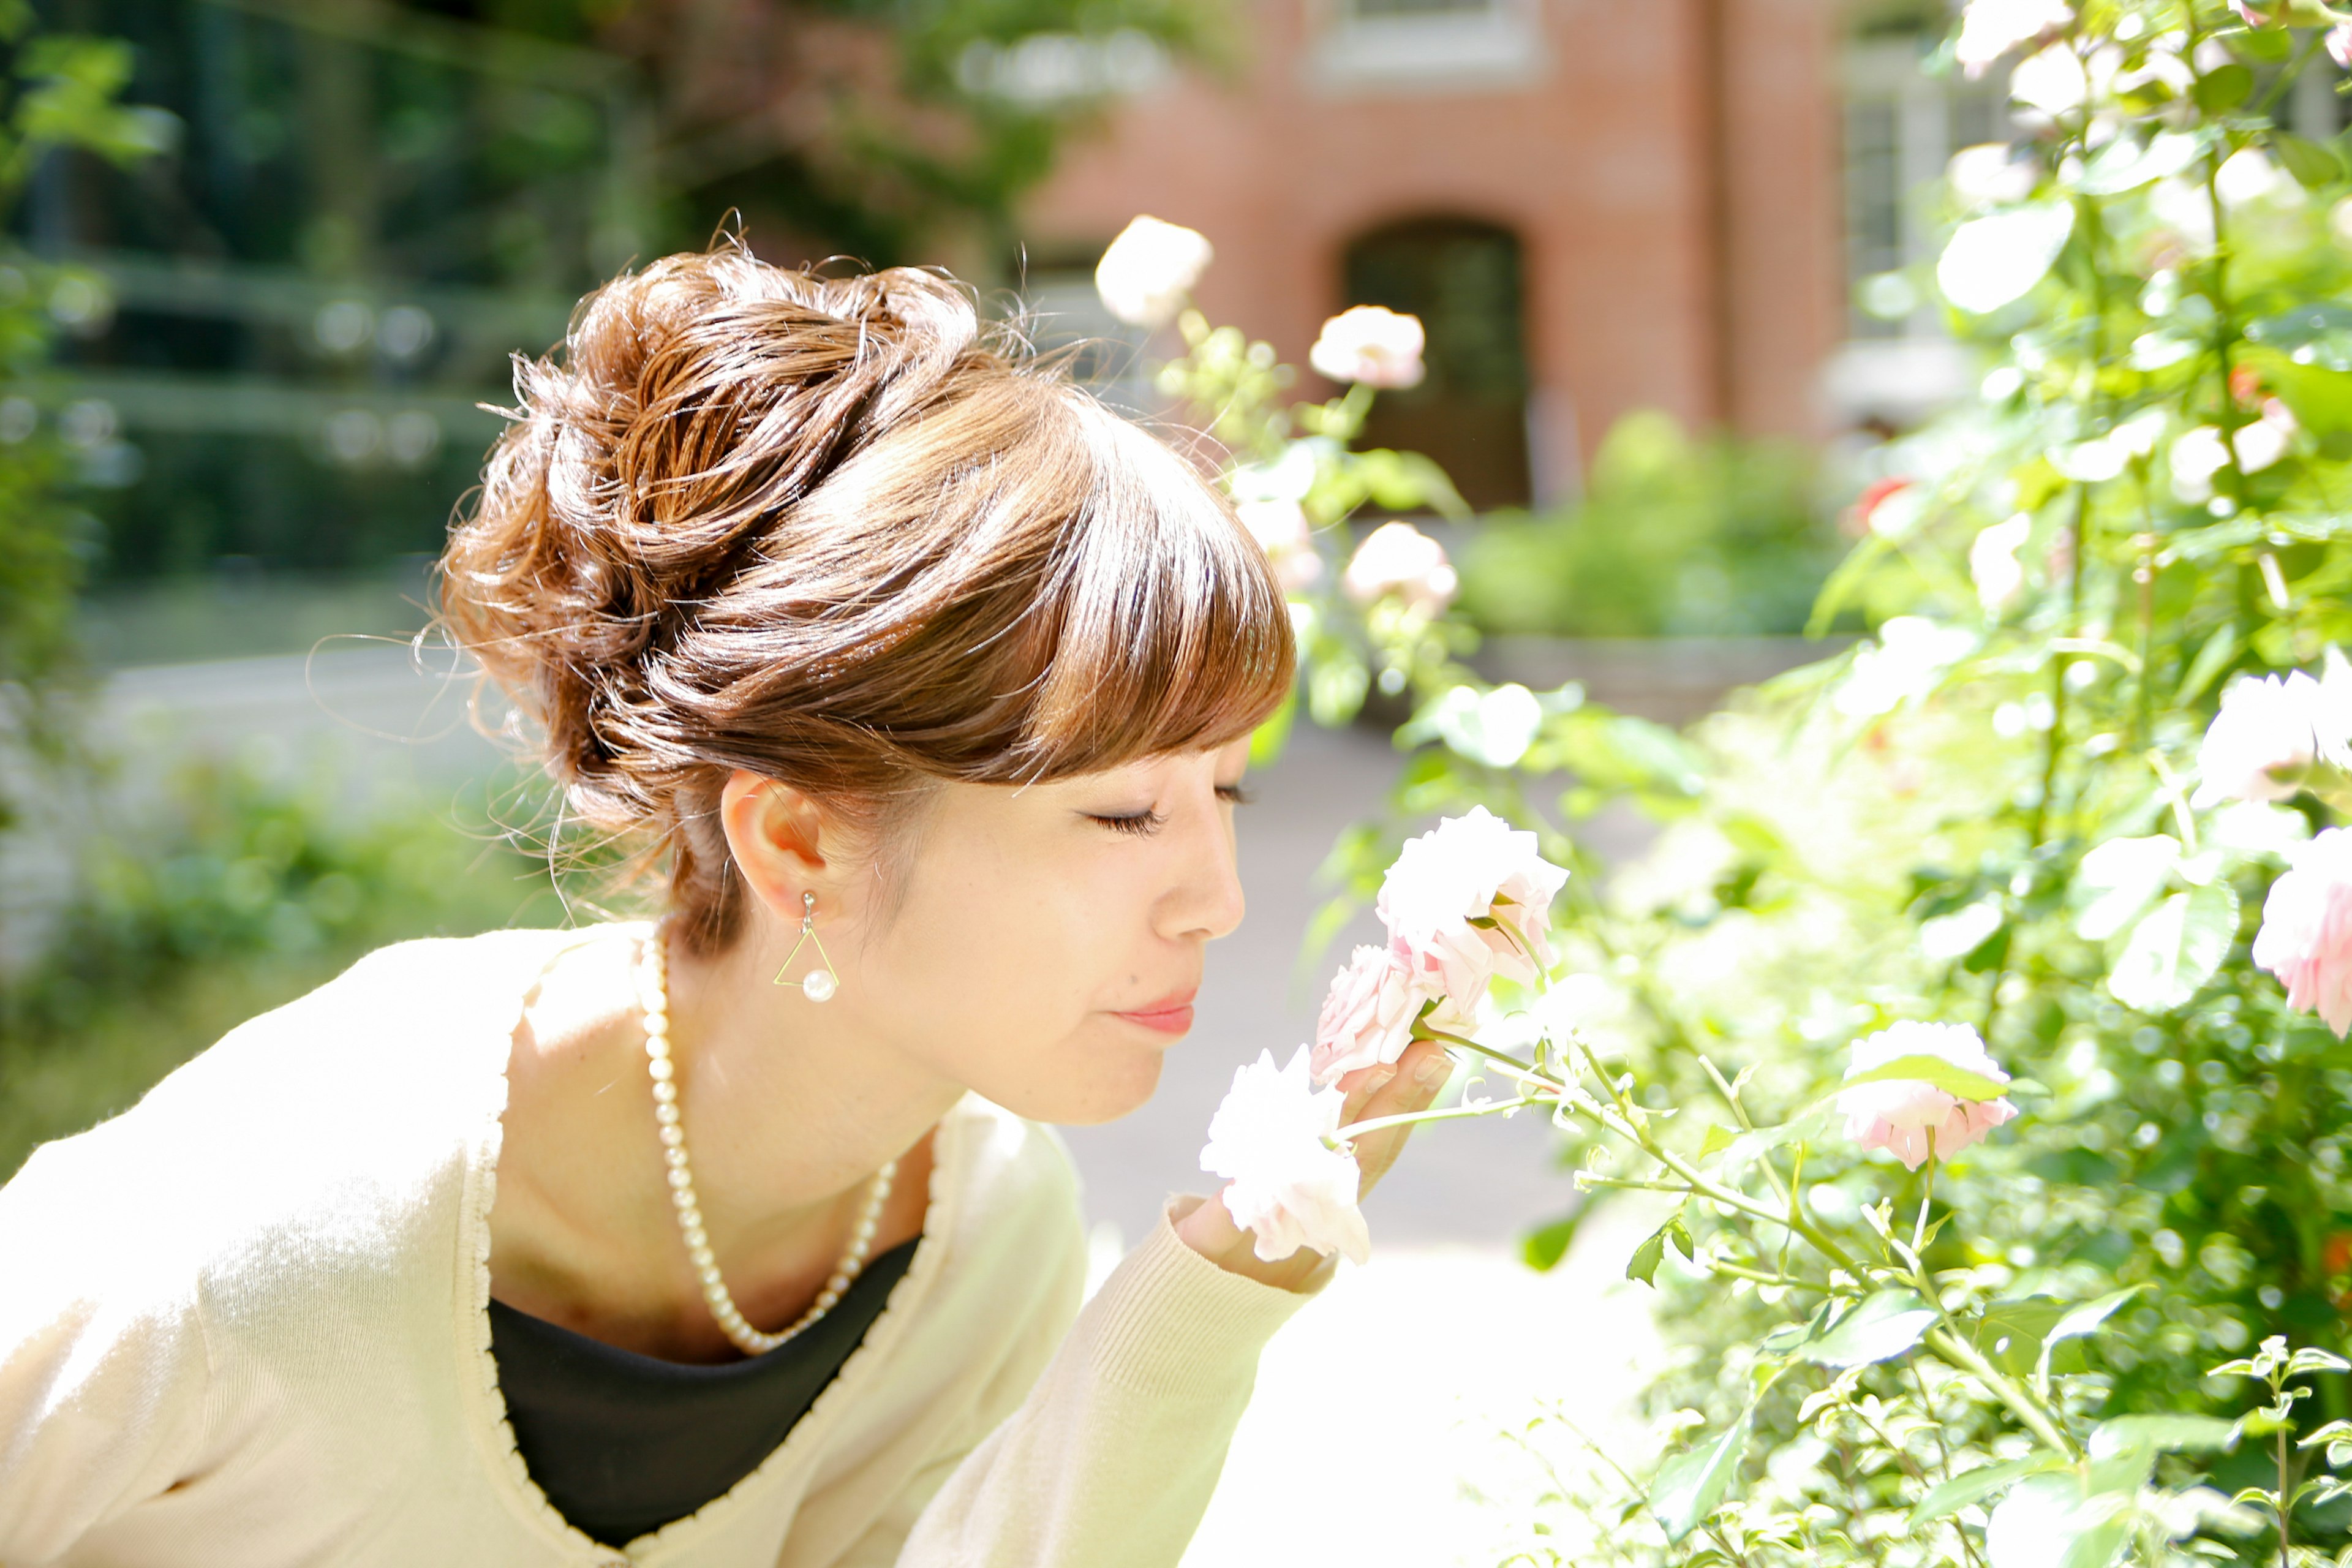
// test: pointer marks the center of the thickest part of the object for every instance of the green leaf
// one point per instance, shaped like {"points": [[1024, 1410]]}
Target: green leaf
{"points": [[2224, 88], [1643, 1265], [2311, 1359], [2124, 166], [2123, 874], [1959, 1083], [1979, 1484], [2166, 1434], [2010, 1333], [2082, 1321], [2211, 659], [1542, 1248], [1719, 1138], [2313, 166], [1688, 1486], [2175, 949], [1882, 1327]]}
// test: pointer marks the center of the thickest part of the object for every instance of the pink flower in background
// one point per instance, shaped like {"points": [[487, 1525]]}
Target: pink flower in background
{"points": [[1911, 1117], [1148, 270], [2339, 44], [2270, 724], [1398, 558], [1372, 345], [1368, 1014], [1289, 1188], [2306, 936], [1476, 868], [1990, 28], [1281, 530]]}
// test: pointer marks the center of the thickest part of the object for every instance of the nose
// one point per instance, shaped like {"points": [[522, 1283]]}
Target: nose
{"points": [[1207, 900]]}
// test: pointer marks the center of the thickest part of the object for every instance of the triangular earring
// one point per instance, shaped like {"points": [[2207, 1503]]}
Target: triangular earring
{"points": [[819, 984]]}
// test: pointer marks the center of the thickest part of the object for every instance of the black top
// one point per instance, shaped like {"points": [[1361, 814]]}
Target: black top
{"points": [[622, 1444]]}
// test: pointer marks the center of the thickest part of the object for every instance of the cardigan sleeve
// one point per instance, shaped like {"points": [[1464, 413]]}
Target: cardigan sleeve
{"points": [[103, 1369], [1110, 1461]]}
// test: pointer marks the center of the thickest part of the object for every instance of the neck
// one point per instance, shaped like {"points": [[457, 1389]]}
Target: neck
{"points": [[787, 1105]]}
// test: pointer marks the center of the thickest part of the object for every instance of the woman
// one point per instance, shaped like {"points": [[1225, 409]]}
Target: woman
{"points": [[732, 1238]]}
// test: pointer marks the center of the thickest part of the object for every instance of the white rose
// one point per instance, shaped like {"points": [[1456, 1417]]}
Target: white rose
{"points": [[1289, 1188], [1370, 344], [1990, 28], [1281, 530], [1992, 563], [1476, 868], [1398, 558], [1148, 270], [2269, 725]]}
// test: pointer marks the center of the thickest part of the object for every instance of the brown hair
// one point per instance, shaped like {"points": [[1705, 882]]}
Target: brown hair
{"points": [[826, 529]]}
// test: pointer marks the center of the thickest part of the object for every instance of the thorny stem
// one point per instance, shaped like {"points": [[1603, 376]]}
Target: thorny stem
{"points": [[1741, 1272], [1926, 1197], [1407, 1117], [2280, 1497]]}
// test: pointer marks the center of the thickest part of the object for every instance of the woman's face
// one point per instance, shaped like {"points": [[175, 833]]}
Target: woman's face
{"points": [[1045, 942]]}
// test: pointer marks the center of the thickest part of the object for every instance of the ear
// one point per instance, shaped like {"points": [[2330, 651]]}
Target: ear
{"points": [[778, 836]]}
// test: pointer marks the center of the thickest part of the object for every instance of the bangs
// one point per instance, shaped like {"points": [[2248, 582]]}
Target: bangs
{"points": [[1169, 631]]}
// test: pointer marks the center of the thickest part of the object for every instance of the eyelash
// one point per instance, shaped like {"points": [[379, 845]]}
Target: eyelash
{"points": [[1145, 823]]}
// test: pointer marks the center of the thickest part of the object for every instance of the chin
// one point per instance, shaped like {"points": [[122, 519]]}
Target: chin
{"points": [[1112, 1089]]}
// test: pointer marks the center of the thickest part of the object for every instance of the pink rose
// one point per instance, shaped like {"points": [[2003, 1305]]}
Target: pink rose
{"points": [[2306, 936], [1468, 900], [1368, 343], [1368, 1014], [1398, 558], [2269, 725], [1911, 1117], [1289, 1188], [1148, 270], [2339, 44]]}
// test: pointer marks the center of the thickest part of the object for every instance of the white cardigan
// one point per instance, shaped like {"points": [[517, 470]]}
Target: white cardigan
{"points": [[246, 1323]]}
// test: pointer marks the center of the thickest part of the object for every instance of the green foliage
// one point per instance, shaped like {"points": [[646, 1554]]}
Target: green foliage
{"points": [[234, 894], [1676, 537]]}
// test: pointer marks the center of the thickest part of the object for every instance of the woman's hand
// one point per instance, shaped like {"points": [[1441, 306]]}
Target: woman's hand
{"points": [[1373, 1092]]}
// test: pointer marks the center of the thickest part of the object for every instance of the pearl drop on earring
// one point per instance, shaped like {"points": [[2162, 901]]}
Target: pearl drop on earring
{"points": [[819, 986]]}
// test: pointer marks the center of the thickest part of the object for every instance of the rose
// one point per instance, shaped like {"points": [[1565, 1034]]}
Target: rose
{"points": [[2339, 44], [1911, 1117], [1468, 900], [1398, 558], [1992, 563], [1370, 344], [2269, 725], [2306, 936], [1148, 270], [1281, 531], [1368, 1014], [1289, 1188], [1990, 28]]}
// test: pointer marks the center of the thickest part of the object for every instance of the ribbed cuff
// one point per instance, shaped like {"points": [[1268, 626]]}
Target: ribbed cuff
{"points": [[1169, 1324]]}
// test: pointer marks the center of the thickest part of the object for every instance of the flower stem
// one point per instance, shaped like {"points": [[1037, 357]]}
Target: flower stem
{"points": [[1407, 1117]]}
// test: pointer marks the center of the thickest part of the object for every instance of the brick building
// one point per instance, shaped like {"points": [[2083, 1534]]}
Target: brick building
{"points": [[1596, 205]]}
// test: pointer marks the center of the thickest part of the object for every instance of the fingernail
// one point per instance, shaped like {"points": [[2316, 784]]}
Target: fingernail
{"points": [[1433, 1071], [1380, 1078]]}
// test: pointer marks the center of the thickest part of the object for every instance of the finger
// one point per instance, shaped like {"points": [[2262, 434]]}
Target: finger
{"points": [[1421, 1073], [1359, 1086]]}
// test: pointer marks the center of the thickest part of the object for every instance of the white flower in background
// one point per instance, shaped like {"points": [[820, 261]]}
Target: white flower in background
{"points": [[1990, 28], [2306, 936], [1993, 173], [1909, 656], [1148, 270], [1398, 558], [1370, 344], [1993, 567], [2339, 44], [2249, 177], [1289, 1188], [1281, 530], [2269, 724], [1368, 1014], [2196, 456], [2264, 440], [2053, 82], [1471, 869], [1911, 1117]]}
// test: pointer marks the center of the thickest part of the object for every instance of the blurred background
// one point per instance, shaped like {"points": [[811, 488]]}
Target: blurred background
{"points": [[265, 263]]}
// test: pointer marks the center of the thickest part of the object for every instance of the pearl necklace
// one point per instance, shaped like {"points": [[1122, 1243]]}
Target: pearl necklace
{"points": [[749, 1340]]}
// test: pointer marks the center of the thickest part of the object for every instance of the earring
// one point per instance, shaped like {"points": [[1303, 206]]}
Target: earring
{"points": [[819, 984]]}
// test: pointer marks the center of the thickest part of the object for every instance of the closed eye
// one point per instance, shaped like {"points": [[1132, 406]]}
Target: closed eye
{"points": [[1234, 794], [1140, 823]]}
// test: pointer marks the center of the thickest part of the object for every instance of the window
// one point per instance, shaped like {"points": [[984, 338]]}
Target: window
{"points": [[1427, 45], [1461, 278]]}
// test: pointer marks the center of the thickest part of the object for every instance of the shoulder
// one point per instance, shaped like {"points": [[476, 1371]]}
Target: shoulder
{"points": [[1010, 1171]]}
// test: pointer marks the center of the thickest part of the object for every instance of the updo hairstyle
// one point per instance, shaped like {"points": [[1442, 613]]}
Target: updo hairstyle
{"points": [[826, 529]]}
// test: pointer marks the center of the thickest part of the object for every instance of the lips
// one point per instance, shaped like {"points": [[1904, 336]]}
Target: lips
{"points": [[1169, 1015]]}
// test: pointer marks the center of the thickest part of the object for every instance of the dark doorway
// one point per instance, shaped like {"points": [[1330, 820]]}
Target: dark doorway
{"points": [[1461, 278]]}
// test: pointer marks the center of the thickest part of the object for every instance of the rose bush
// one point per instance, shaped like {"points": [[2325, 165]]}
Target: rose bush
{"points": [[2066, 820]]}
